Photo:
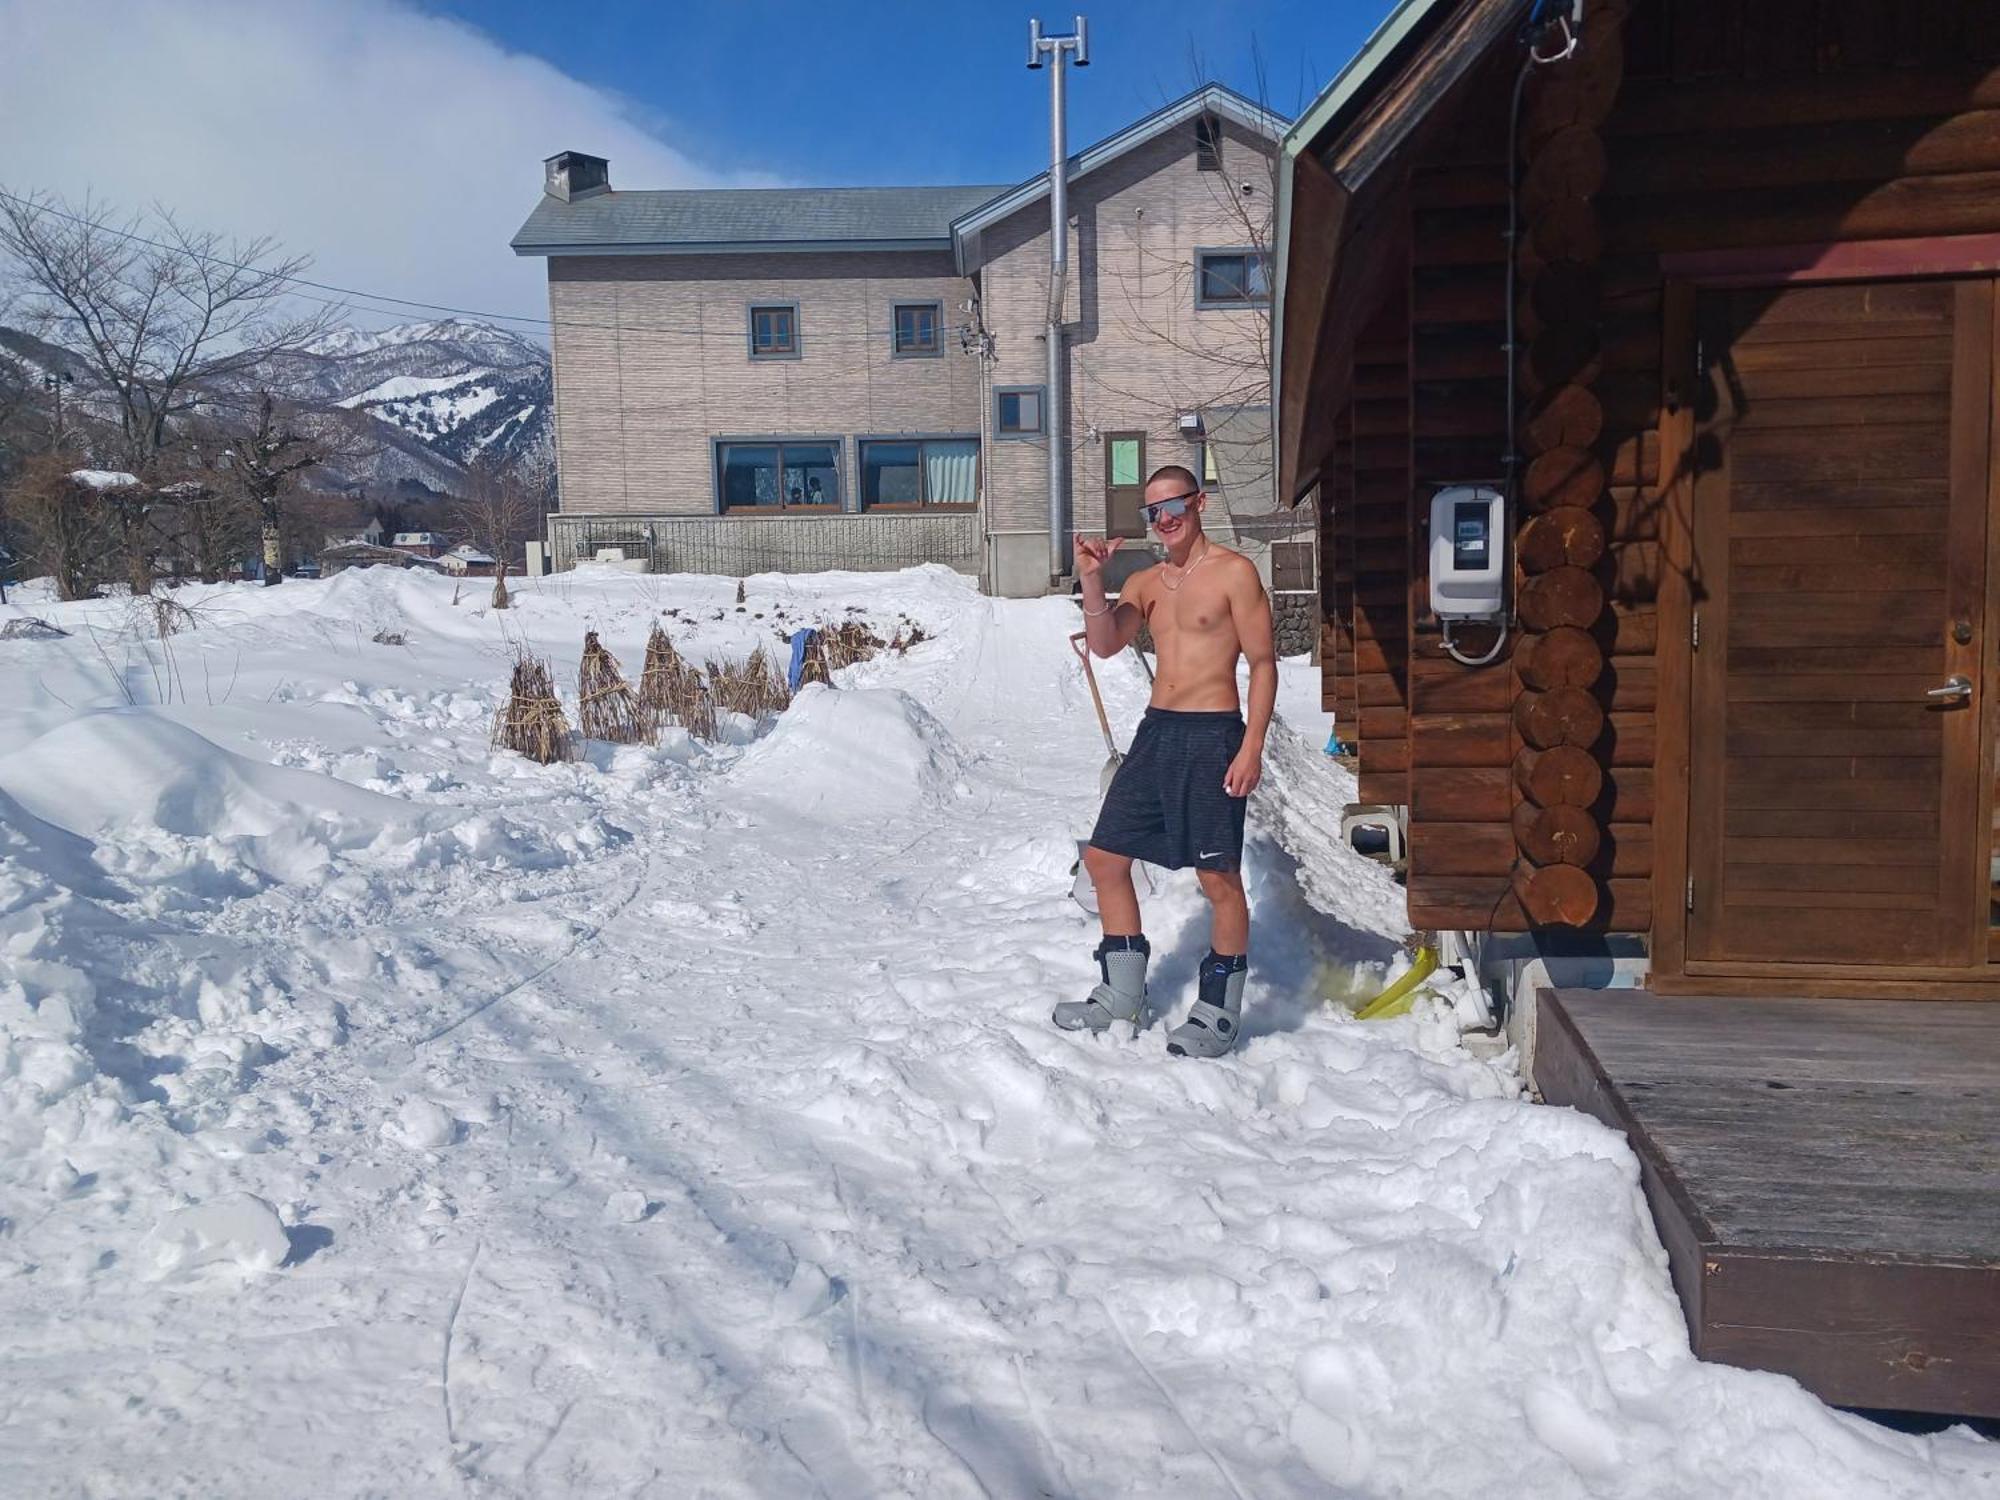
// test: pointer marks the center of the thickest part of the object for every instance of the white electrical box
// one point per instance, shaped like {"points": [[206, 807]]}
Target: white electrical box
{"points": [[1467, 553]]}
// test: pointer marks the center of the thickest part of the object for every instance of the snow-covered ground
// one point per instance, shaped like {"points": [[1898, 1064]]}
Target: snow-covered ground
{"points": [[382, 1115]]}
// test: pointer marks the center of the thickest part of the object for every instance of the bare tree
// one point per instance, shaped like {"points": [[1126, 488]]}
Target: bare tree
{"points": [[535, 470], [157, 315], [496, 514], [1219, 366], [215, 529], [256, 458], [67, 527]]}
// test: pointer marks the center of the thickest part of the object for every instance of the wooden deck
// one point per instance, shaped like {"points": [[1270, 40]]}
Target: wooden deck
{"points": [[1825, 1175]]}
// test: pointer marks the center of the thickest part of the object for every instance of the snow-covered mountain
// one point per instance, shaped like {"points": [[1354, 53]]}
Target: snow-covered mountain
{"points": [[442, 394], [422, 400]]}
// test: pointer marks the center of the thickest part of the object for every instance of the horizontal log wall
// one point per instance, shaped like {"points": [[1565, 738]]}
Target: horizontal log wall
{"points": [[1732, 124], [1461, 732], [1736, 124], [1379, 480]]}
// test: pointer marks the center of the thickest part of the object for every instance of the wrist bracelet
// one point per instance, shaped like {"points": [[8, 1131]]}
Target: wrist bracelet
{"points": [[1091, 614]]}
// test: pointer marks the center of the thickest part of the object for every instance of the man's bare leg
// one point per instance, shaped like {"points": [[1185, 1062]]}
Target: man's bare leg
{"points": [[1121, 956], [1229, 910], [1117, 901]]}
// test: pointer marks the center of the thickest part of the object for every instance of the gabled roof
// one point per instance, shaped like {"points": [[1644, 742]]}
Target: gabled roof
{"points": [[1337, 153], [691, 221], [1362, 71], [714, 220], [1210, 98]]}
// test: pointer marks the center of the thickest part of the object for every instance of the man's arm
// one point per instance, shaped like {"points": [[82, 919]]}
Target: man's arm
{"points": [[1107, 629], [1250, 609]]}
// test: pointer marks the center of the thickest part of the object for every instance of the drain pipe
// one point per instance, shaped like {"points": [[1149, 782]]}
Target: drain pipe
{"points": [[1054, 411]]}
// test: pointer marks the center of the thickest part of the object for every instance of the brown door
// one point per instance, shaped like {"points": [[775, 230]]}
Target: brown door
{"points": [[1840, 537], [1124, 483]]}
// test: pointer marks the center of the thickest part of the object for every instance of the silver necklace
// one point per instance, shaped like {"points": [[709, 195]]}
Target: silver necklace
{"points": [[1173, 586]]}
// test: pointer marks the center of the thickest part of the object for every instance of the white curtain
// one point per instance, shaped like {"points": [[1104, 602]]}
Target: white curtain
{"points": [[951, 473]]}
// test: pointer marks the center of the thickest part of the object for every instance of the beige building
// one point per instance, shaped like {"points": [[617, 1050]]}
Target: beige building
{"points": [[796, 379]]}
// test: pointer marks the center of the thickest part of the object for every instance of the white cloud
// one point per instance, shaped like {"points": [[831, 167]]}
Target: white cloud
{"points": [[401, 150]]}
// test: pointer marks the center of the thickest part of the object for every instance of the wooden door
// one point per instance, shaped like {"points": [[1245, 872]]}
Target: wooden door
{"points": [[1841, 493], [1124, 483]]}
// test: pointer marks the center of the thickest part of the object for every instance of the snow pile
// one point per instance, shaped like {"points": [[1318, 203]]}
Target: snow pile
{"points": [[840, 756], [241, 1229], [688, 1120], [142, 772]]}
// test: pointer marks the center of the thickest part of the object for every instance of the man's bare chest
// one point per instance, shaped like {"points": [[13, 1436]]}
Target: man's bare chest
{"points": [[1196, 613]]}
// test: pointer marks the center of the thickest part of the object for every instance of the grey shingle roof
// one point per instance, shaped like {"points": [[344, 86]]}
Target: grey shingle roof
{"points": [[716, 218]]}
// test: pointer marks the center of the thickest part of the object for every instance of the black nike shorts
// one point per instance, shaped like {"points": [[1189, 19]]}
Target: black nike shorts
{"points": [[1166, 805]]}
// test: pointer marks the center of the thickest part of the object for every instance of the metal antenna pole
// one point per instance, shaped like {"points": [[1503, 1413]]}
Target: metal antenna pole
{"points": [[1055, 411]]}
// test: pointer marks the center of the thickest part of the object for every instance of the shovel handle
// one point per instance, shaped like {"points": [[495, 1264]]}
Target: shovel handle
{"points": [[1077, 644]]}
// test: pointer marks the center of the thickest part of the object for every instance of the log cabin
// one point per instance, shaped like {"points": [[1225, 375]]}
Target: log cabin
{"points": [[1688, 311]]}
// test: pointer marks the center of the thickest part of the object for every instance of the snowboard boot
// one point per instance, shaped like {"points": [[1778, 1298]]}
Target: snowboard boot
{"points": [[1122, 995], [1217, 1014]]}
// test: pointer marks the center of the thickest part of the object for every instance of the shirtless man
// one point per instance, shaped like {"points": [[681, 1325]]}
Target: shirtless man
{"points": [[1179, 797]]}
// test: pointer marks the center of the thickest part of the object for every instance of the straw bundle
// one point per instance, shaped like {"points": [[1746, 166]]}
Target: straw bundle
{"points": [[531, 722], [607, 708], [754, 686], [673, 692]]}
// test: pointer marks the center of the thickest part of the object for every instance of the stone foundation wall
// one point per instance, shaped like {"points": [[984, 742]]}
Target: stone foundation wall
{"points": [[1295, 620]]}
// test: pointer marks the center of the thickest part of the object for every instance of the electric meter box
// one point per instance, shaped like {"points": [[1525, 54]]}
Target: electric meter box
{"points": [[1467, 552]]}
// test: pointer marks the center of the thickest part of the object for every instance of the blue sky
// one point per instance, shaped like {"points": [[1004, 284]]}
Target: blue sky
{"points": [[818, 92], [399, 143]]}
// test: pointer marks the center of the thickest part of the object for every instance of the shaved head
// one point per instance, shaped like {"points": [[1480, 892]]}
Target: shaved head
{"points": [[1181, 475]]}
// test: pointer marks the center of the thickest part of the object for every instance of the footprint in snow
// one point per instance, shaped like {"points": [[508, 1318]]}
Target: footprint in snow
{"points": [[809, 1293]]}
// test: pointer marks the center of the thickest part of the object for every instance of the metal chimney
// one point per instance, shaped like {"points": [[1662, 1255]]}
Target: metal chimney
{"points": [[1055, 409], [570, 175]]}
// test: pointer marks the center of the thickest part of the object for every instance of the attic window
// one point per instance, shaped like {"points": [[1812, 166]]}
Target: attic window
{"points": [[774, 330], [1208, 143]]}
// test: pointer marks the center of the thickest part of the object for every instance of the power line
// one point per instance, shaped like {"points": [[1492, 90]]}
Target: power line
{"points": [[379, 297], [236, 265], [350, 294]]}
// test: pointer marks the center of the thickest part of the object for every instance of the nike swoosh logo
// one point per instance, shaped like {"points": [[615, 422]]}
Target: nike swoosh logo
{"points": [[1209, 854]]}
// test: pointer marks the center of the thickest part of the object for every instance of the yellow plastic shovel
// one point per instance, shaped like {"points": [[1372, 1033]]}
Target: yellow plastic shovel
{"points": [[1401, 995]]}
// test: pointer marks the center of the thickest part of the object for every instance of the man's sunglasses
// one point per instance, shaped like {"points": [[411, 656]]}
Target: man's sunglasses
{"points": [[1158, 510]]}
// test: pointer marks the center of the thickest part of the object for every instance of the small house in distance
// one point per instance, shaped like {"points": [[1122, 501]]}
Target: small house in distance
{"points": [[467, 561], [418, 543], [1640, 360]]}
